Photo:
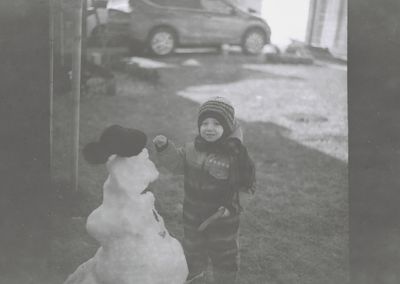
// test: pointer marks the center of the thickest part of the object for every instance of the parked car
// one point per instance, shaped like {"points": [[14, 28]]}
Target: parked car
{"points": [[162, 25], [97, 20]]}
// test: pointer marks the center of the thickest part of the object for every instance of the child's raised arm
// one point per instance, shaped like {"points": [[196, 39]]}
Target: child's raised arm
{"points": [[169, 156]]}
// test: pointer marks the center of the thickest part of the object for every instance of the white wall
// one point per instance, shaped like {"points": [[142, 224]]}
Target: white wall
{"points": [[287, 19]]}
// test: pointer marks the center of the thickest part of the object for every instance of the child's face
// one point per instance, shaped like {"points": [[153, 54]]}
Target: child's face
{"points": [[211, 130]]}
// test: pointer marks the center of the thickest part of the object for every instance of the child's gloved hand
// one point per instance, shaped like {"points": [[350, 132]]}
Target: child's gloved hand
{"points": [[160, 141], [226, 212], [222, 212]]}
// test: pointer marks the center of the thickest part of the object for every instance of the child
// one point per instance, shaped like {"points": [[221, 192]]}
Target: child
{"points": [[219, 177]]}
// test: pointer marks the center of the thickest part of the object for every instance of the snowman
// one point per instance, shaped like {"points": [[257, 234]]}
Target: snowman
{"points": [[135, 246]]}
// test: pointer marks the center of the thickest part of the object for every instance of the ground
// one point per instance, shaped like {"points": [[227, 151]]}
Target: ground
{"points": [[295, 120]]}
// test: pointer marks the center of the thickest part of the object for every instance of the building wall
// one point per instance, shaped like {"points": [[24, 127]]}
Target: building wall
{"points": [[327, 27], [340, 43]]}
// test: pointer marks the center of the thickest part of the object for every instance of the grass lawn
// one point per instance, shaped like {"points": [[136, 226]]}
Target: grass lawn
{"points": [[294, 231]]}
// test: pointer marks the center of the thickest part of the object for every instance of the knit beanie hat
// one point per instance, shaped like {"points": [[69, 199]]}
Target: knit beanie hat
{"points": [[222, 110]]}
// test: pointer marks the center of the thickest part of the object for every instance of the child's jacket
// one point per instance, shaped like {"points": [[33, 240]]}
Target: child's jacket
{"points": [[205, 182]]}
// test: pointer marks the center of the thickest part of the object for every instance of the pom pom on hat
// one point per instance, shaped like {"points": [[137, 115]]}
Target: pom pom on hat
{"points": [[222, 110], [124, 142]]}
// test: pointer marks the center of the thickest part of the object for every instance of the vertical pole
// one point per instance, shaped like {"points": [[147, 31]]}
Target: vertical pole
{"points": [[311, 21], [62, 47], [76, 88], [84, 37], [52, 11], [340, 20]]}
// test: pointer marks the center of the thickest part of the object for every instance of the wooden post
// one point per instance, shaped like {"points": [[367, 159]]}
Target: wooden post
{"points": [[76, 89], [51, 90], [84, 37], [62, 43]]}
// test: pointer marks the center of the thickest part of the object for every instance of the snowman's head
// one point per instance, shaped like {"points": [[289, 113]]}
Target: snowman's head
{"points": [[123, 149], [143, 167], [115, 140], [132, 174]]}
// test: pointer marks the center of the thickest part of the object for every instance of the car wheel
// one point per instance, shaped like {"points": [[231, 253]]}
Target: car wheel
{"points": [[162, 42], [253, 42]]}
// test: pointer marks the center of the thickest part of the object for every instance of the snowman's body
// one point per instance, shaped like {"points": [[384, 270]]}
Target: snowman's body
{"points": [[135, 245]]}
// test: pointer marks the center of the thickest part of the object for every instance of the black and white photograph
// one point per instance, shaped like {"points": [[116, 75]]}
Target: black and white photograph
{"points": [[189, 141]]}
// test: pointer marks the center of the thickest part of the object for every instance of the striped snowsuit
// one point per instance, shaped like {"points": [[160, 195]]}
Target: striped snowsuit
{"points": [[206, 189]]}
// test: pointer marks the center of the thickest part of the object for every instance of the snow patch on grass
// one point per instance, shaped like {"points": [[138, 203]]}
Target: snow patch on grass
{"points": [[291, 102], [148, 63]]}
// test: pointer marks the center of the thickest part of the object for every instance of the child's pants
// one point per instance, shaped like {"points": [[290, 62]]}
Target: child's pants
{"points": [[220, 245]]}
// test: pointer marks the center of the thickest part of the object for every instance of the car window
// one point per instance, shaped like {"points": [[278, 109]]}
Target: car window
{"points": [[191, 4], [216, 6], [120, 5]]}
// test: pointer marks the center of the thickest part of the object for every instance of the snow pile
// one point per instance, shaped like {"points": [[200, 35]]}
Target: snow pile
{"points": [[135, 245], [147, 63], [191, 62], [288, 97]]}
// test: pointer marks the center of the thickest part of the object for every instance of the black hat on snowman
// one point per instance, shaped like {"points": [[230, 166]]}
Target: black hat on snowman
{"points": [[115, 140]]}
